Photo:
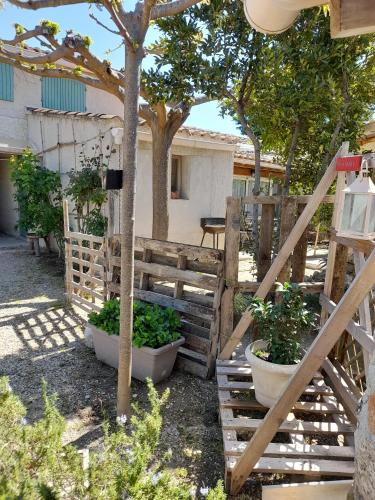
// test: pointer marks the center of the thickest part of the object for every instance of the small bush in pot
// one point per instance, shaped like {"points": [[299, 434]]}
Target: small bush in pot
{"points": [[156, 338], [153, 326], [274, 359], [282, 324]]}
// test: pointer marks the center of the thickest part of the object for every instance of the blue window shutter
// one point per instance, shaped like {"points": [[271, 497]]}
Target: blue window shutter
{"points": [[6, 82], [63, 94]]}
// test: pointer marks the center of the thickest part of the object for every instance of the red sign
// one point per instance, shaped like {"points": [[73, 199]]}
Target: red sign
{"points": [[349, 163]]}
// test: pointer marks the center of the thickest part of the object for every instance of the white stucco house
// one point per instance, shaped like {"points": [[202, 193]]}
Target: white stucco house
{"points": [[61, 119]]}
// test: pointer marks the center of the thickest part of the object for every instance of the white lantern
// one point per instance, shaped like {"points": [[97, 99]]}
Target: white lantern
{"points": [[358, 211]]}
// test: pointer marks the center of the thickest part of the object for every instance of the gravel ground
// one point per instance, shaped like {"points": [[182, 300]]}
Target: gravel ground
{"points": [[40, 338]]}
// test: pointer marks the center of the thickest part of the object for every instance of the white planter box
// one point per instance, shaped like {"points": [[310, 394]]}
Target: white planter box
{"points": [[270, 379], [156, 364]]}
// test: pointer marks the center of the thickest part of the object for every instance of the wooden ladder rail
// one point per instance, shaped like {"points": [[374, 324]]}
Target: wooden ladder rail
{"points": [[286, 250], [312, 361]]}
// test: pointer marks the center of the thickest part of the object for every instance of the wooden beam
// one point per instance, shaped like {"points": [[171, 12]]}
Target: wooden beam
{"points": [[276, 200], [286, 250], [265, 240], [358, 332], [300, 253], [252, 286], [342, 391], [287, 221], [331, 258], [365, 246], [350, 18], [324, 342]]}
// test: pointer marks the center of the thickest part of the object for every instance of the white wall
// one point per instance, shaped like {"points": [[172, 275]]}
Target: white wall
{"points": [[209, 165], [210, 172], [8, 205]]}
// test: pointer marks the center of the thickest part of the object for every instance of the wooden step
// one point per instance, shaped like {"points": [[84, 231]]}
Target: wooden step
{"points": [[296, 426], [305, 406], [233, 385], [301, 466], [236, 448]]}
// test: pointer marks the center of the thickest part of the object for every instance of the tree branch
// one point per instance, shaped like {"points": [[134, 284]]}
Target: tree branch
{"points": [[42, 4], [171, 8], [102, 25], [50, 57]]}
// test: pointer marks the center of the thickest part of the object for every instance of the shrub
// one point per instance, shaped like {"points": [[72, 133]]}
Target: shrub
{"points": [[39, 197], [35, 464], [153, 326], [282, 324]]}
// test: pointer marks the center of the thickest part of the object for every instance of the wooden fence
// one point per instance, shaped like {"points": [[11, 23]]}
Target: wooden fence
{"points": [[185, 277], [294, 270]]}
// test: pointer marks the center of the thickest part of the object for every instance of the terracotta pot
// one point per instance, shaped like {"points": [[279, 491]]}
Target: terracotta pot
{"points": [[156, 364], [270, 379]]}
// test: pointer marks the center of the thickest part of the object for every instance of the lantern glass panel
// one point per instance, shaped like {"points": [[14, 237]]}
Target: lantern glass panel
{"points": [[353, 218]]}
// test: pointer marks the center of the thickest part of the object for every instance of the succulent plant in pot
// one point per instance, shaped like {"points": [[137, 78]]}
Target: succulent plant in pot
{"points": [[275, 357]]}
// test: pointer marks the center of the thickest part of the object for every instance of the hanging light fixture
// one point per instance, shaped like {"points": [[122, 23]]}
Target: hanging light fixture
{"points": [[358, 210]]}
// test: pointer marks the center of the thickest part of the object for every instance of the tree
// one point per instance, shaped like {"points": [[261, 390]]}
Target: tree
{"points": [[132, 27], [229, 61], [316, 99]]}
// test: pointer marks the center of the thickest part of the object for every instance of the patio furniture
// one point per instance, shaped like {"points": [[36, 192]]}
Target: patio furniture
{"points": [[214, 226]]}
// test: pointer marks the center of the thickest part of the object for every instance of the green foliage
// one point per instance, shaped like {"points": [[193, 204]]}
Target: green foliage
{"points": [[36, 464], [108, 319], [52, 28], [95, 223], [153, 326], [39, 197], [282, 324], [88, 41], [86, 191]]}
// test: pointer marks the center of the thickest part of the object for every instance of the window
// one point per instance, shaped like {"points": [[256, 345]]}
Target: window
{"points": [[243, 186], [179, 179], [63, 94], [6, 82]]}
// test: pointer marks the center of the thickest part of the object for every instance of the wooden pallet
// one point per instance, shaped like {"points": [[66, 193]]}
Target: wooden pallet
{"points": [[315, 440]]}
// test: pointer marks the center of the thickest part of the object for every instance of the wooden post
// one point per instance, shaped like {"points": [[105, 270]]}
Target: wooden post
{"points": [[286, 250], [328, 336], [287, 221], [231, 264], [68, 252], [331, 258], [299, 253], [265, 240]]}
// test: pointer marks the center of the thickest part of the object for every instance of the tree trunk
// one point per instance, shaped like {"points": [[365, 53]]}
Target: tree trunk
{"points": [[256, 189], [133, 61], [160, 182], [289, 162], [163, 127]]}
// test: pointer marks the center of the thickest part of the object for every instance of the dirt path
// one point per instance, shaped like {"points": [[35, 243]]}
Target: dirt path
{"points": [[39, 338]]}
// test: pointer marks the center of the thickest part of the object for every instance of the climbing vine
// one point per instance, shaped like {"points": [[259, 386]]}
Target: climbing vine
{"points": [[86, 191]]}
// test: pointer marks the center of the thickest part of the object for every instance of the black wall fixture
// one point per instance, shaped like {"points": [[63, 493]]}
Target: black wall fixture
{"points": [[114, 179]]}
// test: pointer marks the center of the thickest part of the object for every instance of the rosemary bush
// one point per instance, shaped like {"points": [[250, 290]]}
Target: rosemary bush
{"points": [[35, 464], [282, 324]]}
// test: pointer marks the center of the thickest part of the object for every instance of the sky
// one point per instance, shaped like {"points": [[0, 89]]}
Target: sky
{"points": [[76, 17]]}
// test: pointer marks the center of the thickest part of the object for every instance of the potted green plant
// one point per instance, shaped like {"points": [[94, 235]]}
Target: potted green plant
{"points": [[156, 338], [274, 358]]}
